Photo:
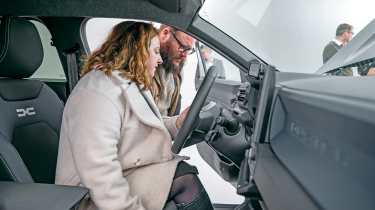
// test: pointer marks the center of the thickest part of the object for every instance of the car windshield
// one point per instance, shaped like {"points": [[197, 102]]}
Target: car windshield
{"points": [[290, 35]]}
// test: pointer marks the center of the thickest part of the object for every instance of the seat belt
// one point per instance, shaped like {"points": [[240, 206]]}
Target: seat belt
{"points": [[72, 67], [148, 102]]}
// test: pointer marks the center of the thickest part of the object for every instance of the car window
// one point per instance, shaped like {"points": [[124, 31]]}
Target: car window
{"points": [[290, 35], [51, 68], [225, 69], [97, 30]]}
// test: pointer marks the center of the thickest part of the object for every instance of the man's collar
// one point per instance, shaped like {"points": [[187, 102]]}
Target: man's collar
{"points": [[338, 42]]}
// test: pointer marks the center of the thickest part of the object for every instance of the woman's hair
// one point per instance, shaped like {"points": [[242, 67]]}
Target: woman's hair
{"points": [[126, 50]]}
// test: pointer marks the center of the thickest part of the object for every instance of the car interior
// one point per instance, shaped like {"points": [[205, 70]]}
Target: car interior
{"points": [[256, 133], [29, 145]]}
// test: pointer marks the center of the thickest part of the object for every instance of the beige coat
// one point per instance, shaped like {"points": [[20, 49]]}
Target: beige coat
{"points": [[114, 142]]}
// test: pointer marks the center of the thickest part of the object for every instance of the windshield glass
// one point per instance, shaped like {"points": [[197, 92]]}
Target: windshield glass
{"points": [[291, 35]]}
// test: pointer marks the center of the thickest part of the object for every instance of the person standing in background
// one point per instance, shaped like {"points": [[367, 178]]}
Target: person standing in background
{"points": [[209, 60], [344, 33]]}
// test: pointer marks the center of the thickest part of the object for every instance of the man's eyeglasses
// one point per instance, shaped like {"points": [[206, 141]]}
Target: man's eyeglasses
{"points": [[183, 48]]}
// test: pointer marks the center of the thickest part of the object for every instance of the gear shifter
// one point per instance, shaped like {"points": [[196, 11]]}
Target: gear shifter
{"points": [[230, 124]]}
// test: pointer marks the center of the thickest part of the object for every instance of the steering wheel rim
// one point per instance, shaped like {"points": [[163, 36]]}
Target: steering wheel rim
{"points": [[195, 108]]}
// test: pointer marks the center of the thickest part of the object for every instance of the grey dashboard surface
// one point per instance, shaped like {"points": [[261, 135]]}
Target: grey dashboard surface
{"points": [[322, 130]]}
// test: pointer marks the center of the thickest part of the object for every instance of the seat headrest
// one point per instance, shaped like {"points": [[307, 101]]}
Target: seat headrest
{"points": [[21, 51]]}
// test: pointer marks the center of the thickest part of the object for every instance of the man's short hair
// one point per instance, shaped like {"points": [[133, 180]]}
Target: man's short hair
{"points": [[343, 28]]}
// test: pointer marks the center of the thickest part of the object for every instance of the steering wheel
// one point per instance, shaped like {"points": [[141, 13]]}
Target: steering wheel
{"points": [[195, 108]]}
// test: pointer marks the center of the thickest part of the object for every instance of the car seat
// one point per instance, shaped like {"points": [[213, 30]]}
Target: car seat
{"points": [[30, 111]]}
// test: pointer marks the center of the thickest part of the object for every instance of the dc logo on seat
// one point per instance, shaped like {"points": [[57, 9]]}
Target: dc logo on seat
{"points": [[29, 111]]}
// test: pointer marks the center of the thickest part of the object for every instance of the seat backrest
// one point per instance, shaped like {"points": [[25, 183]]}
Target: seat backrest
{"points": [[30, 112]]}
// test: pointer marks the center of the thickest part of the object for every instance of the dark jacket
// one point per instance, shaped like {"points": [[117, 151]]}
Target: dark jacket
{"points": [[330, 50]]}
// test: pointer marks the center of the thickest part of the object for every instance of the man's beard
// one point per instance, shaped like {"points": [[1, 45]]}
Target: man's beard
{"points": [[168, 64]]}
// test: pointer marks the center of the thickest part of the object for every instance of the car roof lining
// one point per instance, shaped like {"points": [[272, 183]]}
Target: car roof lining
{"points": [[178, 13], [55, 11]]}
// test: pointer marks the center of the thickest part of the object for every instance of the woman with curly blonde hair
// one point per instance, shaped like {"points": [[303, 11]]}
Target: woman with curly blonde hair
{"points": [[121, 51], [113, 139]]}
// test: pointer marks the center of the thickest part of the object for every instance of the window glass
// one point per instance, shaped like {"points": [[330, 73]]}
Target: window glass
{"points": [[51, 67], [225, 69], [290, 35], [97, 30]]}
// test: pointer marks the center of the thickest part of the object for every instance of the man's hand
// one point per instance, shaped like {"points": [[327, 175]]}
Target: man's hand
{"points": [[181, 118], [371, 72]]}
